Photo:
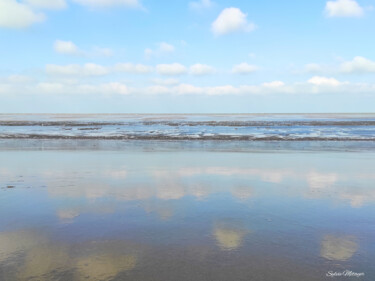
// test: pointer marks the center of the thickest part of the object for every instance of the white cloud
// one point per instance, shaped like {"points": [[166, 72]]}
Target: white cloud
{"points": [[162, 49], [114, 88], [133, 68], [188, 89], [244, 68], [157, 90], [92, 69], [50, 88], [69, 48], [343, 8], [66, 48], [358, 65], [274, 84], [102, 89], [324, 81], [24, 13], [184, 89], [201, 69], [231, 20], [108, 3], [316, 85], [223, 90], [89, 69], [171, 69], [47, 4], [18, 15], [200, 5]]}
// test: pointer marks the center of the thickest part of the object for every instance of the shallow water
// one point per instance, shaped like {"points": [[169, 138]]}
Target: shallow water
{"points": [[257, 127], [186, 214]]}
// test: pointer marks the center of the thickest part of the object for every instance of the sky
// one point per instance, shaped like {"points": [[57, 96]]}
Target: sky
{"points": [[203, 56]]}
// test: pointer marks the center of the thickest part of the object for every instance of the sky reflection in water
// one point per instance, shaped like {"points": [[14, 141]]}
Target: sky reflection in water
{"points": [[116, 215]]}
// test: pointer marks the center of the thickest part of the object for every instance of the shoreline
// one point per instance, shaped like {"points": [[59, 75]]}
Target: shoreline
{"points": [[165, 137], [186, 145]]}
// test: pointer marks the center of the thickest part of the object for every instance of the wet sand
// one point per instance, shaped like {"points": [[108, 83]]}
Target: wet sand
{"points": [[102, 210]]}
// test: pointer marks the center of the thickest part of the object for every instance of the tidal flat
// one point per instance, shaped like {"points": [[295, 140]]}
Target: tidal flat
{"points": [[113, 210]]}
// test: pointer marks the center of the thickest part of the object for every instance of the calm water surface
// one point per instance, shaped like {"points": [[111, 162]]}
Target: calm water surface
{"points": [[186, 215]]}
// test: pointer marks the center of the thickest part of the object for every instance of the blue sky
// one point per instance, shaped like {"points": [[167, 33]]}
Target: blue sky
{"points": [[79, 56]]}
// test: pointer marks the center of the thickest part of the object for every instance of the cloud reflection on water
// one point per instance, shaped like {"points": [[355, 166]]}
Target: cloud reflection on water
{"points": [[229, 235], [339, 248], [37, 257], [177, 205]]}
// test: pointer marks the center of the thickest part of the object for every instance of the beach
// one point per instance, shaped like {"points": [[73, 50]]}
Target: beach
{"points": [[197, 140], [250, 198]]}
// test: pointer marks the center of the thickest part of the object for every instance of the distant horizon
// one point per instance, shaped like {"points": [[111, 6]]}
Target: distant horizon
{"points": [[179, 113]]}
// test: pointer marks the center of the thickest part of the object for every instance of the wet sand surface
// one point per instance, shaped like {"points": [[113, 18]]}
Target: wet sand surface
{"points": [[138, 210]]}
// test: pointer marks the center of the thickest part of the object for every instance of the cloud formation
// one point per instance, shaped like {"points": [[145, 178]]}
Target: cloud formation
{"points": [[14, 14], [69, 48], [231, 20], [133, 68], [201, 69], [358, 65], [162, 49], [343, 8], [274, 84], [92, 69], [324, 81], [88, 69], [111, 88], [66, 48], [22, 14], [68, 79], [171, 69], [244, 68]]}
